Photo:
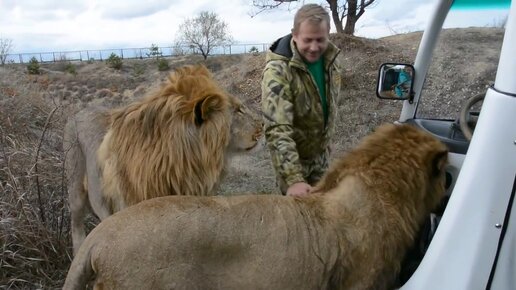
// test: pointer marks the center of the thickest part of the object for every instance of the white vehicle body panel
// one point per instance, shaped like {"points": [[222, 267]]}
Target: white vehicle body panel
{"points": [[476, 238], [505, 274], [464, 247]]}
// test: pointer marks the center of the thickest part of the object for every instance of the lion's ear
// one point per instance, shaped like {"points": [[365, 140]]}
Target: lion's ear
{"points": [[439, 161], [207, 106]]}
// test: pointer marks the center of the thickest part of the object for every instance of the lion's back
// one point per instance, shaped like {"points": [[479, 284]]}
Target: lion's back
{"points": [[196, 237], [82, 136], [88, 125]]}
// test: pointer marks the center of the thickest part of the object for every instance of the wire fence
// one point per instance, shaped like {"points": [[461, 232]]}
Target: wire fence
{"points": [[131, 53]]}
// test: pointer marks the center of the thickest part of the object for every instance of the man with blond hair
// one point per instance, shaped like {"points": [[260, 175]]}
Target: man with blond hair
{"points": [[300, 84]]}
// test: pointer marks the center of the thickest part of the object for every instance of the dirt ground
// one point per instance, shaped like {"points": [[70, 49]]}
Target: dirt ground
{"points": [[31, 106]]}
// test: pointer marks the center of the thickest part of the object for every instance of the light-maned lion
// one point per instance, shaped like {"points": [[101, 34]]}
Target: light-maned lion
{"points": [[172, 142], [351, 233]]}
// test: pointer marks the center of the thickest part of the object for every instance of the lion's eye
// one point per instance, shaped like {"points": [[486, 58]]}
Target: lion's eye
{"points": [[239, 110]]}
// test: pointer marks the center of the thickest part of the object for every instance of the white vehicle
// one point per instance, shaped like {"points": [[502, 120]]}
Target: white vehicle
{"points": [[474, 244]]}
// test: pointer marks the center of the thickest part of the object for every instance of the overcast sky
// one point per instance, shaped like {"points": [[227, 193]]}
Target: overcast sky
{"points": [[61, 25]]}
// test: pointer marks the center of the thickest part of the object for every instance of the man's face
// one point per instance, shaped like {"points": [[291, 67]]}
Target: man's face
{"points": [[311, 40]]}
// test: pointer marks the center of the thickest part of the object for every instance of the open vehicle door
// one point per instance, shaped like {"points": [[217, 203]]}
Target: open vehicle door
{"points": [[473, 243]]}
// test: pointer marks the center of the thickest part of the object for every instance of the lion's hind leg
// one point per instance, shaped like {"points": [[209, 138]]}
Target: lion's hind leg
{"points": [[79, 206], [75, 169]]}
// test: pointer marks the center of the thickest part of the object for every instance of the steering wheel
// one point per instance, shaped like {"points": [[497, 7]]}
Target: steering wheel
{"points": [[465, 113]]}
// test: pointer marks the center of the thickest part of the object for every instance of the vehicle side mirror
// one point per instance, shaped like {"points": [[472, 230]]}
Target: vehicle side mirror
{"points": [[395, 81]]}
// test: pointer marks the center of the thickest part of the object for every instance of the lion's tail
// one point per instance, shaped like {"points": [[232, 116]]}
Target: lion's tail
{"points": [[80, 271]]}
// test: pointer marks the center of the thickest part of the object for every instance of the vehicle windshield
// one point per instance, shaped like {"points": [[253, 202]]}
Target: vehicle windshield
{"points": [[465, 59]]}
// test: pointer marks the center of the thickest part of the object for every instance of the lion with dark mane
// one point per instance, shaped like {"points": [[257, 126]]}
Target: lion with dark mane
{"points": [[172, 142], [351, 233]]}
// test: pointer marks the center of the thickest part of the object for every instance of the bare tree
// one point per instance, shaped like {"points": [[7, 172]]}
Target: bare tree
{"points": [[352, 10], [204, 32], [5, 47], [263, 5]]}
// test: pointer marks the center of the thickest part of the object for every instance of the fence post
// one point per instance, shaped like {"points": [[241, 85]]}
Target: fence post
{"points": [[21, 58], [100, 53], [122, 53]]}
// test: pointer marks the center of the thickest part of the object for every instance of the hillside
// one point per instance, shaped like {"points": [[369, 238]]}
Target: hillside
{"points": [[34, 227]]}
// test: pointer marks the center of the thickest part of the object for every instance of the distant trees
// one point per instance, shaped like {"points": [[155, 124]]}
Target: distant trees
{"points": [[352, 10], [204, 32], [155, 52], [5, 47]]}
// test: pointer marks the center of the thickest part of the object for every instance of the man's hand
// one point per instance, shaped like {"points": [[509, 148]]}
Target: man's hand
{"points": [[299, 189]]}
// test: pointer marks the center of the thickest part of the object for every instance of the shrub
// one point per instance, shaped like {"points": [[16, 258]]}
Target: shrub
{"points": [[163, 65], [114, 61], [254, 50], [71, 68], [33, 67], [104, 93], [138, 70]]}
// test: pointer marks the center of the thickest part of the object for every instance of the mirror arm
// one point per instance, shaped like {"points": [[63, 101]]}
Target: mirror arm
{"points": [[411, 98]]}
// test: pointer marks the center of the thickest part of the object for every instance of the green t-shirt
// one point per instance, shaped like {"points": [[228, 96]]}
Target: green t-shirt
{"points": [[317, 71]]}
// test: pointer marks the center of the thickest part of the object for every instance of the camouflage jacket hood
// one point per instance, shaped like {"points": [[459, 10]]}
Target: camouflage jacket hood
{"points": [[294, 123]]}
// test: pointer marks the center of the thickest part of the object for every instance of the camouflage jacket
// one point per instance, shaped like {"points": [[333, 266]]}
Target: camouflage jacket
{"points": [[292, 110]]}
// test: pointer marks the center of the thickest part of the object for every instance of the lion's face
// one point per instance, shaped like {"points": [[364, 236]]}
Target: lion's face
{"points": [[246, 128], [185, 130]]}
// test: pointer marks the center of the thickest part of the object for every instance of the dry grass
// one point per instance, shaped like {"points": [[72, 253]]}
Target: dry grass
{"points": [[34, 228]]}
